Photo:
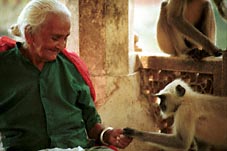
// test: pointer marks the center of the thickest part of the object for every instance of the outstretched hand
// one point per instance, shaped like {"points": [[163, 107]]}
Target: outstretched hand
{"points": [[116, 138]]}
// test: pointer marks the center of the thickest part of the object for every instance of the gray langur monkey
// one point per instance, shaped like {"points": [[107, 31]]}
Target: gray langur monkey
{"points": [[197, 116], [188, 28]]}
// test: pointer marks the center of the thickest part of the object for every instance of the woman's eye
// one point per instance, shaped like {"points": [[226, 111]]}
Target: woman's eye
{"points": [[54, 38]]}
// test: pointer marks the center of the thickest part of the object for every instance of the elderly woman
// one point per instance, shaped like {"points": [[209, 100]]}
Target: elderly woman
{"points": [[45, 101]]}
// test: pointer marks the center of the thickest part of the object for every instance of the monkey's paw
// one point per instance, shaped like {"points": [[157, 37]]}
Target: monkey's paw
{"points": [[218, 53], [128, 132], [197, 54]]}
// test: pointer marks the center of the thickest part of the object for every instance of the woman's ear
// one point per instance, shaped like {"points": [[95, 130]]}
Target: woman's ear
{"points": [[28, 34]]}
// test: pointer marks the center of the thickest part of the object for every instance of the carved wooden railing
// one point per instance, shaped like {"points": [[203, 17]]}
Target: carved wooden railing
{"points": [[207, 76]]}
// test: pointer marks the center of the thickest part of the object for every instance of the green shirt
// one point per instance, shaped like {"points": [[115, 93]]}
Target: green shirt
{"points": [[51, 108]]}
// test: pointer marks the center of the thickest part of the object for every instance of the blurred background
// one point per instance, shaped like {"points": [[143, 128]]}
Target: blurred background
{"points": [[9, 11]]}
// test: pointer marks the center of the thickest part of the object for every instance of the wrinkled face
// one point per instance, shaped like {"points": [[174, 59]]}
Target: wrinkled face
{"points": [[50, 38], [170, 99]]}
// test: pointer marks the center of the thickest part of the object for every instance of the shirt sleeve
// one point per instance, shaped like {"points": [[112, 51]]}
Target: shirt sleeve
{"points": [[89, 112]]}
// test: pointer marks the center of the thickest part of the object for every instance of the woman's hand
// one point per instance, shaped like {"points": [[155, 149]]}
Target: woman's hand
{"points": [[116, 138]]}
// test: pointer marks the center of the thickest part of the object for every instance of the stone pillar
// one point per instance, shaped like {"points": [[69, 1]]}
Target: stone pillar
{"points": [[104, 43], [104, 36]]}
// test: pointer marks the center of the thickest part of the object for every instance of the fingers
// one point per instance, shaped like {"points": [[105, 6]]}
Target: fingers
{"points": [[119, 140], [123, 141]]}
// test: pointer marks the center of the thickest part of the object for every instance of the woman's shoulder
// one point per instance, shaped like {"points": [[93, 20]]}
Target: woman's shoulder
{"points": [[6, 44]]}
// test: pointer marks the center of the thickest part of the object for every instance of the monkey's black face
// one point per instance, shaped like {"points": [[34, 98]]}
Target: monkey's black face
{"points": [[162, 104], [170, 98], [167, 104]]}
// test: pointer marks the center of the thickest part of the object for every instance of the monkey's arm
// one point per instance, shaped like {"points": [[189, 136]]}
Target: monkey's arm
{"points": [[165, 141], [181, 138], [175, 18]]}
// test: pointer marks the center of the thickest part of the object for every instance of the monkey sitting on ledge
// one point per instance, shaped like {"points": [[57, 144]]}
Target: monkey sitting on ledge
{"points": [[187, 28], [197, 116]]}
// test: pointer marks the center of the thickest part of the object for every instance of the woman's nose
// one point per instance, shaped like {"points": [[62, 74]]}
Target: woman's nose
{"points": [[61, 45]]}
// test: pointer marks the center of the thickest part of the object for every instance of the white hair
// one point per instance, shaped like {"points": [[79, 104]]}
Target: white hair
{"points": [[34, 14]]}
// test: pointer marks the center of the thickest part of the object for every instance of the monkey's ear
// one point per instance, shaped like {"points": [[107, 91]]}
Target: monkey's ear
{"points": [[180, 90]]}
